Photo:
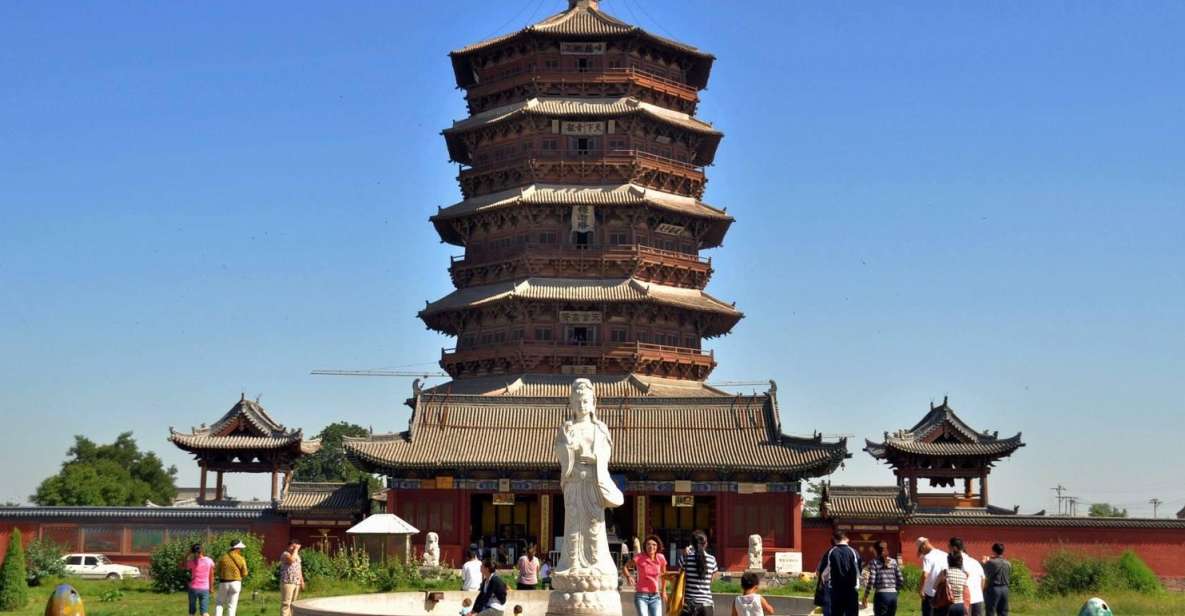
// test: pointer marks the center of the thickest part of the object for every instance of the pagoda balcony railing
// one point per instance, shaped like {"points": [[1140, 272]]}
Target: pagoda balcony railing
{"points": [[548, 356], [670, 267], [585, 167], [560, 78]]}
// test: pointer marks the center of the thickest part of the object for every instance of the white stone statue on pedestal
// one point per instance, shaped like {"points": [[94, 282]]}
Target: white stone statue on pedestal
{"points": [[432, 550], [585, 581], [756, 553]]}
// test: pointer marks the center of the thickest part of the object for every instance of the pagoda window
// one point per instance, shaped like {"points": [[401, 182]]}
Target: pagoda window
{"points": [[642, 336], [551, 64], [543, 333], [618, 144], [583, 65], [548, 237], [499, 337], [691, 342], [469, 341], [517, 334], [582, 146], [551, 145], [617, 334], [582, 240], [619, 238], [487, 338]]}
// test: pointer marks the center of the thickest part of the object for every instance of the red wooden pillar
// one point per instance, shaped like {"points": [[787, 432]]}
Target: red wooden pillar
{"points": [[796, 522], [723, 508], [390, 500], [983, 487], [202, 489], [218, 490]]}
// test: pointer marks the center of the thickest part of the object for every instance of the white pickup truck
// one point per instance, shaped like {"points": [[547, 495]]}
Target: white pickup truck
{"points": [[98, 567]]}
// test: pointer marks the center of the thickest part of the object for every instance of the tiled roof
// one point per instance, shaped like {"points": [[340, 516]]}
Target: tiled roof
{"points": [[683, 435], [558, 385], [581, 20], [245, 511], [580, 290], [245, 426], [610, 195], [325, 498], [925, 519], [942, 433], [584, 107], [864, 502], [578, 21]]}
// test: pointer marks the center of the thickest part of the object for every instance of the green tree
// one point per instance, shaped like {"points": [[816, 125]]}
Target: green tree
{"points": [[330, 463], [116, 474], [810, 505], [1106, 510], [14, 584]]}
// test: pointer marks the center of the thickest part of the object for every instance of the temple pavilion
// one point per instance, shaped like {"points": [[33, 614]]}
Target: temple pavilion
{"points": [[244, 440], [582, 229]]}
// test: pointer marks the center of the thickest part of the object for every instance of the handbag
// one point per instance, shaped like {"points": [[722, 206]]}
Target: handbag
{"points": [[819, 590], [942, 598], [676, 606]]}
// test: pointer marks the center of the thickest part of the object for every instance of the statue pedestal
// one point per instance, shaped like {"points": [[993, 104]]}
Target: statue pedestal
{"points": [[584, 594]]}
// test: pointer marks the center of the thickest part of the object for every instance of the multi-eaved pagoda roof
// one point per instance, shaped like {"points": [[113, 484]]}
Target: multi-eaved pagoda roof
{"points": [[560, 385], [582, 19], [580, 107], [579, 290], [942, 434], [245, 427], [717, 434]]}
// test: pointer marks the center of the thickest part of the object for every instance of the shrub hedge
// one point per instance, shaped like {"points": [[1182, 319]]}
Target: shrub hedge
{"points": [[169, 575], [1069, 572]]}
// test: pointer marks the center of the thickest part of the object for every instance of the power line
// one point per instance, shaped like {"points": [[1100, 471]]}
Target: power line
{"points": [[1155, 502], [1059, 489]]}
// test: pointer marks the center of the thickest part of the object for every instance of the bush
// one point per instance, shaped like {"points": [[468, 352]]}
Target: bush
{"points": [[912, 575], [398, 576], [1070, 572], [353, 565], [1136, 575], [169, 575], [14, 581], [43, 559], [1021, 583]]}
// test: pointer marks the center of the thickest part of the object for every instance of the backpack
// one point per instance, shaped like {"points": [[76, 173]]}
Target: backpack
{"points": [[942, 595]]}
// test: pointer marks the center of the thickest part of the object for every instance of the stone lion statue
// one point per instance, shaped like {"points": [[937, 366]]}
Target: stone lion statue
{"points": [[756, 553], [432, 550]]}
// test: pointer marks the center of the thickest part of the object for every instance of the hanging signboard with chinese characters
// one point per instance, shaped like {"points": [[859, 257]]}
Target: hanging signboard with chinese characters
{"points": [[580, 316], [669, 229], [504, 499], [582, 128], [582, 49], [682, 500], [578, 369], [583, 218]]}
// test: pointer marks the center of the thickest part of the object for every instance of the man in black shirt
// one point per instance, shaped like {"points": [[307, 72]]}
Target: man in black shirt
{"points": [[997, 574], [843, 566]]}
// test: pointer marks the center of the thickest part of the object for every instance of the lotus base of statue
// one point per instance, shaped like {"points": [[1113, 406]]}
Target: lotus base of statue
{"points": [[583, 594]]}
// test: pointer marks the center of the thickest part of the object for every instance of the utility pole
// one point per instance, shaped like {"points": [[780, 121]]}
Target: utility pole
{"points": [[1059, 489], [1155, 502], [1073, 502]]}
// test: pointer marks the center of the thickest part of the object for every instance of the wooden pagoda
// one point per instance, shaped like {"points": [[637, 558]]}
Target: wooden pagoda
{"points": [[582, 229], [245, 440], [943, 449]]}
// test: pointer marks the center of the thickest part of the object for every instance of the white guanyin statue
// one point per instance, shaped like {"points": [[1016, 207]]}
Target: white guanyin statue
{"points": [[432, 550], [585, 581]]}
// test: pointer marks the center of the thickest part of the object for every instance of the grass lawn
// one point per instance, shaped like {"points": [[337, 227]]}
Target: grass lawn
{"points": [[136, 598]]}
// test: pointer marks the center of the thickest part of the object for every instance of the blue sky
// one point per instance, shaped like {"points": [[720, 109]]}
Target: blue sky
{"points": [[980, 201]]}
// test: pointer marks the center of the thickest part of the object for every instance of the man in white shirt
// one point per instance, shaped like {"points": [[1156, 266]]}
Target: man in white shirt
{"points": [[975, 577], [471, 572], [933, 564]]}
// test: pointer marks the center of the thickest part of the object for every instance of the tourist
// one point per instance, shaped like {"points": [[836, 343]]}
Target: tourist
{"points": [[232, 570], [466, 606], [750, 603], [650, 591], [955, 581], [975, 578], [823, 583], [933, 564], [491, 600], [698, 568], [997, 575], [291, 577], [471, 571], [545, 573], [843, 575], [884, 576], [201, 580], [528, 570]]}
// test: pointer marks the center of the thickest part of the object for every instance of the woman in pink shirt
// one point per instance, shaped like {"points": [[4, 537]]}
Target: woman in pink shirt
{"points": [[650, 591], [528, 570], [201, 580]]}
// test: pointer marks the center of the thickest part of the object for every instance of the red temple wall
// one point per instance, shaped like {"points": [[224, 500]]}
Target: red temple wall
{"points": [[1162, 549]]}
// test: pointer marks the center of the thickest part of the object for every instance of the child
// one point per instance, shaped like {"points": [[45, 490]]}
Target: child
{"points": [[466, 607], [518, 610], [751, 603]]}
